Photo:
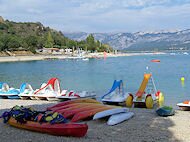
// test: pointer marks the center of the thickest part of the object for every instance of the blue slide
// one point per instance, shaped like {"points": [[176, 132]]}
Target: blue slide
{"points": [[116, 84]]}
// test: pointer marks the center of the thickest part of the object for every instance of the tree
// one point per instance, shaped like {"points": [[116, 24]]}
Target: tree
{"points": [[1, 46], [71, 43], [49, 41], [31, 41], [14, 42], [5, 38], [91, 43]]}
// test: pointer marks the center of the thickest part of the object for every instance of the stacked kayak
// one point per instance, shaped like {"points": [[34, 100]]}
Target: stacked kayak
{"points": [[84, 109], [116, 115], [8, 92], [80, 109], [184, 105], [44, 122]]}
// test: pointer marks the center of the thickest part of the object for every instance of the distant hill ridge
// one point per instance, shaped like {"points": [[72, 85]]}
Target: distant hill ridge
{"points": [[29, 36], [141, 41]]}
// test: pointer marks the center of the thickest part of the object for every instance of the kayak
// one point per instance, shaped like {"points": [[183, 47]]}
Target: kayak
{"points": [[68, 129], [70, 113], [87, 114], [120, 117], [80, 105], [165, 111], [74, 105], [109, 112], [85, 100], [63, 107], [70, 108]]}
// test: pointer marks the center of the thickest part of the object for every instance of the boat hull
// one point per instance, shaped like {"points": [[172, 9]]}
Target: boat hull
{"points": [[118, 118], [109, 112]]}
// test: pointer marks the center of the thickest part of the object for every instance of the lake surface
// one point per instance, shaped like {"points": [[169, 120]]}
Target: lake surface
{"points": [[98, 74]]}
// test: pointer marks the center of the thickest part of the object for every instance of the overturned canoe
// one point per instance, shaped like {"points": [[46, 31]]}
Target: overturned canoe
{"points": [[68, 129], [120, 117], [109, 112]]}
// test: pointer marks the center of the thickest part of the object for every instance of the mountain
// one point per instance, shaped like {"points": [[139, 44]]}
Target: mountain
{"points": [[141, 41]]}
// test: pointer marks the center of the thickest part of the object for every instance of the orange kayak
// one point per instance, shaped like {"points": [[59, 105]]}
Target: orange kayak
{"points": [[82, 105], [85, 100], [70, 108], [65, 106], [70, 113], [68, 129], [74, 105], [86, 114]]}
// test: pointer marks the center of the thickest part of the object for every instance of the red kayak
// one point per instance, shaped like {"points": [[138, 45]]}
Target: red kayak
{"points": [[86, 100], [70, 113], [72, 105], [68, 129], [87, 114], [70, 108], [63, 107]]}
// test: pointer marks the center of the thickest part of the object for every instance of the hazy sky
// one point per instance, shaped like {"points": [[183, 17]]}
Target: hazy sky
{"points": [[100, 15]]}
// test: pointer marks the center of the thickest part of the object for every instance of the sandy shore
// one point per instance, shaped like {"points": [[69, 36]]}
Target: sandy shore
{"points": [[145, 126], [44, 57]]}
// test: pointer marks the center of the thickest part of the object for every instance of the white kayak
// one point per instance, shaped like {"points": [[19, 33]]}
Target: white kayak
{"points": [[106, 113], [118, 118]]}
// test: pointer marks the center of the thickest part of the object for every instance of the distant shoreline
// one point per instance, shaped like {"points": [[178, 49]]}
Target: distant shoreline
{"points": [[45, 57]]}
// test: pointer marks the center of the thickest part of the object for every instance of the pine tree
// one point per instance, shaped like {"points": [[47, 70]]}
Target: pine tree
{"points": [[50, 41]]}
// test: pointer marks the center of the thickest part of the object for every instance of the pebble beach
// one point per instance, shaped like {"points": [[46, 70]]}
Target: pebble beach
{"points": [[145, 126]]}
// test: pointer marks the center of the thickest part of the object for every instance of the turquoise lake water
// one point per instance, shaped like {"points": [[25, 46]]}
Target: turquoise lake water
{"points": [[98, 74]]}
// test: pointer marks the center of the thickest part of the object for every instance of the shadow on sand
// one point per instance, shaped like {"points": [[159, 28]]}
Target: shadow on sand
{"points": [[145, 126]]}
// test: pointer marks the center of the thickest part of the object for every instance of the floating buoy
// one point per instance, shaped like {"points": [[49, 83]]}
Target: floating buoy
{"points": [[155, 60], [182, 78]]}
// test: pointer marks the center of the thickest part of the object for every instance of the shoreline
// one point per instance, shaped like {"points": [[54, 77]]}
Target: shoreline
{"points": [[90, 55]]}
